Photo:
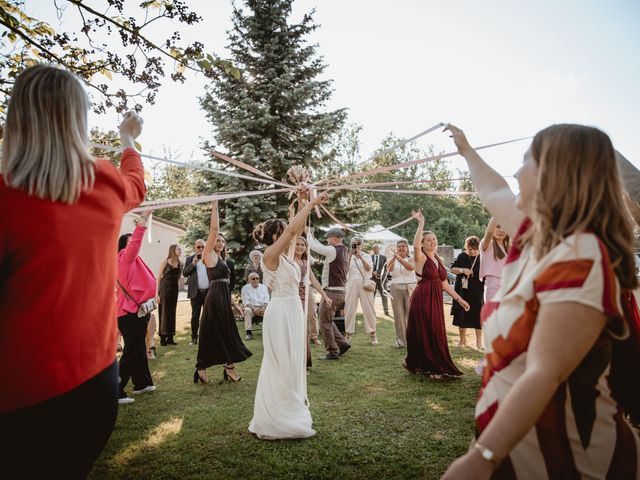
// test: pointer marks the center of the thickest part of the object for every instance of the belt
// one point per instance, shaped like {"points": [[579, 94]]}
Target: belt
{"points": [[218, 280], [203, 289], [335, 289]]}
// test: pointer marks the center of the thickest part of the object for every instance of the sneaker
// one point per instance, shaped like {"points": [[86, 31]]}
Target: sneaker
{"points": [[374, 340], [149, 389], [330, 356], [344, 349], [151, 353], [315, 341], [399, 343], [125, 400], [194, 341], [249, 336]]}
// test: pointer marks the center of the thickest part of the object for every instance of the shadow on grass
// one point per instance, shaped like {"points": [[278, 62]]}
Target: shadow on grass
{"points": [[373, 419]]}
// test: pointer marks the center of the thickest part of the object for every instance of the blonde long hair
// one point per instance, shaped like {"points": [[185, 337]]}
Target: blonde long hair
{"points": [[45, 147], [579, 189]]}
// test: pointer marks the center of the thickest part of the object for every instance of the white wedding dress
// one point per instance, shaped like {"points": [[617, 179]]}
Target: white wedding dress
{"points": [[281, 408]]}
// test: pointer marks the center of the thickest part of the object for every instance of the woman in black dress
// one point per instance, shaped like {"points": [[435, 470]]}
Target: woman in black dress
{"points": [[219, 343], [168, 286], [470, 287]]}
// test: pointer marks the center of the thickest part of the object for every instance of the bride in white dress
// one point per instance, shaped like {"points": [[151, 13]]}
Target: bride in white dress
{"points": [[281, 408]]}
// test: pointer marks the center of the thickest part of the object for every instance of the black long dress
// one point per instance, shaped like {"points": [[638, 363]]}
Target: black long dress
{"points": [[473, 294], [168, 293], [219, 339]]}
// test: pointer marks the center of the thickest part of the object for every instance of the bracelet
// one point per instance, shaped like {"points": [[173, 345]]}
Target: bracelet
{"points": [[487, 454]]}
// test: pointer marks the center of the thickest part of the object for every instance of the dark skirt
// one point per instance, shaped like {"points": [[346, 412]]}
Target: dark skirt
{"points": [[219, 341]]}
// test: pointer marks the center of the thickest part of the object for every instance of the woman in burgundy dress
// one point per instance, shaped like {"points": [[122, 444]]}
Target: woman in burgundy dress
{"points": [[427, 348]]}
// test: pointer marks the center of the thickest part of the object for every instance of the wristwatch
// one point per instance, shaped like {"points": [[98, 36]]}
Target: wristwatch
{"points": [[487, 454]]}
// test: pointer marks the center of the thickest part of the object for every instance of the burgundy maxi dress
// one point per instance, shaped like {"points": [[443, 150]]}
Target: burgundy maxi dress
{"points": [[427, 348]]}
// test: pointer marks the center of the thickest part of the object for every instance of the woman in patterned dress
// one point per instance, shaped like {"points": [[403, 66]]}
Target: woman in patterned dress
{"points": [[552, 402]]}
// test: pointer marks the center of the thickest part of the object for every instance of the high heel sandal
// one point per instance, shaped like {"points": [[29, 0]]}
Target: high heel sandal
{"points": [[226, 376], [197, 378]]}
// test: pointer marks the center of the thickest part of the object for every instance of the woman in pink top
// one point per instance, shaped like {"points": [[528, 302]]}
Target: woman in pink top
{"points": [[493, 254], [136, 285]]}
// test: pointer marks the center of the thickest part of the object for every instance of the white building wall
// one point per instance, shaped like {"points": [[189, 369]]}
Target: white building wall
{"points": [[162, 236]]}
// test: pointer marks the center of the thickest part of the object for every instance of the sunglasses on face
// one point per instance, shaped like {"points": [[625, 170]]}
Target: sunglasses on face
{"points": [[254, 278], [199, 247]]}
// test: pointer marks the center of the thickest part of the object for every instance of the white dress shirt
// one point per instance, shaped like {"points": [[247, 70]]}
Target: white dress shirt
{"points": [[254, 296], [203, 278], [329, 254]]}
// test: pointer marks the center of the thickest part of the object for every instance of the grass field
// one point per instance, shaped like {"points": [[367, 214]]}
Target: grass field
{"points": [[374, 420]]}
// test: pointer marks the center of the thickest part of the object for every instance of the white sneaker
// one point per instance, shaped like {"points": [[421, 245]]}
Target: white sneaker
{"points": [[149, 389], [374, 340], [399, 343], [125, 400]]}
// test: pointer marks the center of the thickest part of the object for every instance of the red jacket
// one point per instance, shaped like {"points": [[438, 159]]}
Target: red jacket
{"points": [[134, 275], [57, 277]]}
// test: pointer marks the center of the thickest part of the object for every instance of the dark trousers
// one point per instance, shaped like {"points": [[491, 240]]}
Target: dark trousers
{"points": [[63, 436], [196, 308], [331, 336], [133, 362], [385, 304]]}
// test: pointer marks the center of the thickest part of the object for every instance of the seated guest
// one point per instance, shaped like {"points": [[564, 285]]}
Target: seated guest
{"points": [[255, 298], [255, 256]]}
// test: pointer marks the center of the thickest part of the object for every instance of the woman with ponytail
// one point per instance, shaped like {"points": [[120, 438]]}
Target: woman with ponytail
{"points": [[281, 409], [553, 402]]}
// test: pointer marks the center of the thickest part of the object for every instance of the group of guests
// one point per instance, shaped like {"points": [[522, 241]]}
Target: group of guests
{"points": [[562, 331]]}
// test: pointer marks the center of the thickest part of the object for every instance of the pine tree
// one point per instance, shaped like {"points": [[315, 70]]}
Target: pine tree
{"points": [[272, 117]]}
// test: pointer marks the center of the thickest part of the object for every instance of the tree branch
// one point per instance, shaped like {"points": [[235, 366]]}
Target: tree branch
{"points": [[134, 32]]}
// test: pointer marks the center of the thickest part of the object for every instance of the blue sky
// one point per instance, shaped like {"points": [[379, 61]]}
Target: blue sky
{"points": [[499, 69]]}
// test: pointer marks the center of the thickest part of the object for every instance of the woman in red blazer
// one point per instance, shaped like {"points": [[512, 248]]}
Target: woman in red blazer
{"points": [[61, 211]]}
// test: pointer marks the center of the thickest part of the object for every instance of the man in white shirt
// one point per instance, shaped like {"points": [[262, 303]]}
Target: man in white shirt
{"points": [[334, 277], [197, 286], [255, 298]]}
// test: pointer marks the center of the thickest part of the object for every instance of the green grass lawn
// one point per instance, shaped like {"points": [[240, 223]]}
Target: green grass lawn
{"points": [[373, 419]]}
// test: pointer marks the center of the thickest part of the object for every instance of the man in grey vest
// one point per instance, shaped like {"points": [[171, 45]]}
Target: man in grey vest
{"points": [[334, 277]]}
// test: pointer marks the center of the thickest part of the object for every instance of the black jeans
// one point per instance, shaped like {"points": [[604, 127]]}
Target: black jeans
{"points": [[61, 437], [196, 308], [133, 362]]}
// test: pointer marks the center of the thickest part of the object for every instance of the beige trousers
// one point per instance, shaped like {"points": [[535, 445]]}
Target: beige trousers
{"points": [[400, 305], [312, 317], [354, 293], [248, 317]]}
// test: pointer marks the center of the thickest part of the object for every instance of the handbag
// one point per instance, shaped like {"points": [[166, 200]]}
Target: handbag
{"points": [[465, 280], [367, 284], [144, 308]]}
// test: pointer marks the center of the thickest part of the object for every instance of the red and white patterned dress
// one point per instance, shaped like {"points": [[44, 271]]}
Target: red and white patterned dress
{"points": [[581, 433]]}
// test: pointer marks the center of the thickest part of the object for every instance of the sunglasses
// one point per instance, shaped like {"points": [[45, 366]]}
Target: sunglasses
{"points": [[254, 278], [199, 247]]}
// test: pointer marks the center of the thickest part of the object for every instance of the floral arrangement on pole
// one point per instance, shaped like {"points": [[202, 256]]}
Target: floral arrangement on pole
{"points": [[306, 191]]}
